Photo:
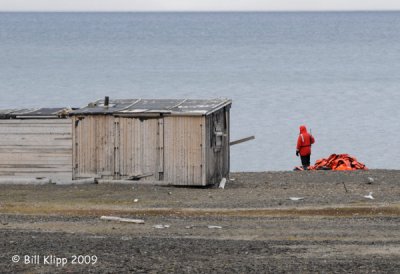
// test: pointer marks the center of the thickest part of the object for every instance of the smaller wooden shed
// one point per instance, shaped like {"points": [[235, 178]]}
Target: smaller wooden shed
{"points": [[177, 142], [35, 143]]}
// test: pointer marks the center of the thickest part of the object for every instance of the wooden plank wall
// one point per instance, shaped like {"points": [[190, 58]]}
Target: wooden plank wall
{"points": [[93, 147], [139, 147], [217, 158], [36, 148], [183, 150], [173, 149]]}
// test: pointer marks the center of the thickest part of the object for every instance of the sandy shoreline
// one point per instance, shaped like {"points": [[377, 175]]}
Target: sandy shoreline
{"points": [[333, 229]]}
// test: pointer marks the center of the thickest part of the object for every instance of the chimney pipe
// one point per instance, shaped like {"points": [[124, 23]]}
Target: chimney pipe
{"points": [[106, 101]]}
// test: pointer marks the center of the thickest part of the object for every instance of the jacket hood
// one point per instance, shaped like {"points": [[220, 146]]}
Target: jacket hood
{"points": [[303, 129]]}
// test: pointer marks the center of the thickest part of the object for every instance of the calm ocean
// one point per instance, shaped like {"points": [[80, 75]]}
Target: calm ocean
{"points": [[338, 73]]}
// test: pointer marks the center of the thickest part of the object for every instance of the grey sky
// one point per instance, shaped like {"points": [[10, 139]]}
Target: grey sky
{"points": [[195, 5]]}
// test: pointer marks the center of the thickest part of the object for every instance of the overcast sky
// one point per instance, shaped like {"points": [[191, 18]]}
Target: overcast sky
{"points": [[196, 5]]}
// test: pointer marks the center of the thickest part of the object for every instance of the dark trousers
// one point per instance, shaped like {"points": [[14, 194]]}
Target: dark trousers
{"points": [[305, 161]]}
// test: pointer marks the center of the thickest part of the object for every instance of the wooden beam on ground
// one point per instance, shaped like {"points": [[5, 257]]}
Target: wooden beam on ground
{"points": [[139, 176], [124, 220]]}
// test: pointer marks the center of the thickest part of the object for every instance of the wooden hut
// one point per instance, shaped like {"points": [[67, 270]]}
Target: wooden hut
{"points": [[178, 142], [35, 143]]}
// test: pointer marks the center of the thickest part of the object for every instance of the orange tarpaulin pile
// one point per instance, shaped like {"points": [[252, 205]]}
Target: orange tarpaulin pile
{"points": [[338, 162]]}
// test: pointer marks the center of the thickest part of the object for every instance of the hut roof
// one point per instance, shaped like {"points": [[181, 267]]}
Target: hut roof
{"points": [[34, 113], [138, 107]]}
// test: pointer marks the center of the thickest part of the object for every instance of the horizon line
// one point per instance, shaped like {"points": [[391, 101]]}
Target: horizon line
{"points": [[194, 11]]}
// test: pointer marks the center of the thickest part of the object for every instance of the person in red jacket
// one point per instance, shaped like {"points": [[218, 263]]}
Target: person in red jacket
{"points": [[303, 147]]}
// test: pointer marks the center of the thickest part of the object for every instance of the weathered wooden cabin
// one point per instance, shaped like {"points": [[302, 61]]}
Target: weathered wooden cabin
{"points": [[35, 143], [177, 142]]}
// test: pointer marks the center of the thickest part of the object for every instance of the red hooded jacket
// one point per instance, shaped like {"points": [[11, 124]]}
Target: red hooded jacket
{"points": [[304, 142]]}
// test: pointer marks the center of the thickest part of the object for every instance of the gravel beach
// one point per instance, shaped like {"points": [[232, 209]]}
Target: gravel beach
{"points": [[251, 226]]}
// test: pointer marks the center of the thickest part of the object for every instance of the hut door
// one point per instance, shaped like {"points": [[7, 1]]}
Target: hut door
{"points": [[93, 147], [140, 151]]}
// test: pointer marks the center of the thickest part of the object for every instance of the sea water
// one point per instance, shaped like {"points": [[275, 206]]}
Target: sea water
{"points": [[337, 72]]}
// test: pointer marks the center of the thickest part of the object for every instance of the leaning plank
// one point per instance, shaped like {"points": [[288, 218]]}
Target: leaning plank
{"points": [[222, 183], [139, 176], [242, 140], [124, 220]]}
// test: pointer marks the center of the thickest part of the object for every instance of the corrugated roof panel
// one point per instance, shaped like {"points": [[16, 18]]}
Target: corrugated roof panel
{"points": [[159, 104], [98, 107], [165, 106], [38, 113], [42, 112], [199, 105]]}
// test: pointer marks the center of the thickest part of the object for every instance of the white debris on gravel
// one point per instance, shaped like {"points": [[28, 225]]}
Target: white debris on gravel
{"points": [[126, 238], [296, 198], [161, 226], [136, 200], [97, 237], [370, 180], [222, 183], [123, 220], [214, 227], [369, 196]]}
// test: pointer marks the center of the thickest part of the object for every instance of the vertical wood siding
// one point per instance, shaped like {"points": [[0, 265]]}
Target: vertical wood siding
{"points": [[93, 146], [179, 150], [183, 147], [36, 148], [139, 147]]}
